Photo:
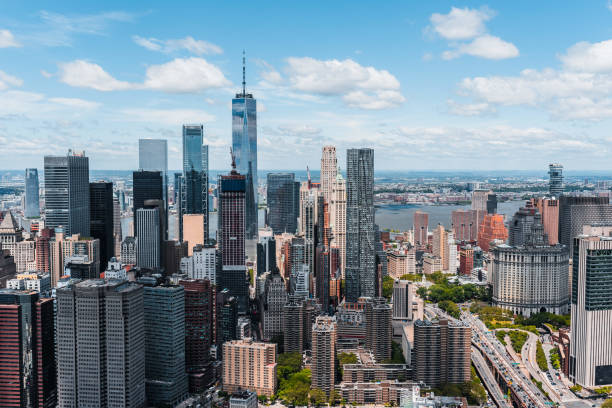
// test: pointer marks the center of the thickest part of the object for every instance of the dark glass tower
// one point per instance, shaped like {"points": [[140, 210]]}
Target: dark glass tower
{"points": [[153, 156], [360, 239], [244, 145], [282, 216], [147, 185], [32, 205], [194, 181], [67, 193], [101, 219]]}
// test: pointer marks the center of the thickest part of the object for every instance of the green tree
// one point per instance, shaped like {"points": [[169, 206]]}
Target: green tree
{"points": [[345, 358], [607, 403], [318, 397], [451, 308], [387, 287], [334, 397]]}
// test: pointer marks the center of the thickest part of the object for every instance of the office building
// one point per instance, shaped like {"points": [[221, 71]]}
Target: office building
{"points": [[173, 253], [406, 304], [62, 248], [465, 224], [420, 227], [360, 251], [243, 328], [492, 203], [275, 297], [431, 264], [479, 200], [531, 276], [116, 227], [555, 184], [323, 277], [442, 248], [492, 229], [101, 220], [199, 298], [231, 235], [243, 399], [309, 199], [164, 321], [244, 146], [194, 181], [129, 251], [282, 214], [266, 254], [329, 171], [153, 156], [293, 324], [193, 231], [576, 212], [249, 365], [590, 363], [147, 185], [226, 317], [24, 253], [337, 216], [32, 205], [27, 361], [379, 331], [442, 352], [202, 264], [67, 193], [401, 262], [549, 210], [80, 267], [323, 362], [42, 250], [148, 233], [101, 346]]}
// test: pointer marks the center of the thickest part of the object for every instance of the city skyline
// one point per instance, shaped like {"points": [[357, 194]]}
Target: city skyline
{"points": [[461, 78]]}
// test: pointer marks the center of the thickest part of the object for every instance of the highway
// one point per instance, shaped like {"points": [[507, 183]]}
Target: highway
{"points": [[489, 380], [525, 390]]}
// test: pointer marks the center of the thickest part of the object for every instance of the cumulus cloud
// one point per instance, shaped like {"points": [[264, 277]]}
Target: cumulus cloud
{"points": [[486, 46], [357, 86], [34, 104], [8, 40], [460, 25], [469, 109], [181, 75], [7, 81], [190, 44], [75, 103], [580, 89]]}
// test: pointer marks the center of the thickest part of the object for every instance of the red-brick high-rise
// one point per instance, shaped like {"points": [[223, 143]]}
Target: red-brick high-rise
{"points": [[43, 250]]}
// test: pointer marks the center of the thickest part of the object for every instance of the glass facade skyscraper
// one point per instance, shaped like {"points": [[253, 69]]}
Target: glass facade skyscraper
{"points": [[244, 146], [194, 181], [32, 206], [282, 215], [67, 193], [153, 156], [360, 245]]}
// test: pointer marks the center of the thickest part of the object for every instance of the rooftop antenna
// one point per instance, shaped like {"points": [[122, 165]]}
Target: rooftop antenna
{"points": [[308, 173], [243, 74], [233, 159]]}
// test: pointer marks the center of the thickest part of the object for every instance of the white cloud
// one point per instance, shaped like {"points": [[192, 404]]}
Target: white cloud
{"points": [[469, 109], [357, 85], [45, 73], [174, 117], [185, 75], [75, 103], [486, 46], [588, 57], [7, 81], [461, 24], [177, 76], [84, 74], [609, 5], [8, 40], [299, 130], [190, 44]]}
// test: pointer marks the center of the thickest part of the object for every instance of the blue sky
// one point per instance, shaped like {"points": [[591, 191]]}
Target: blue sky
{"points": [[428, 85]]}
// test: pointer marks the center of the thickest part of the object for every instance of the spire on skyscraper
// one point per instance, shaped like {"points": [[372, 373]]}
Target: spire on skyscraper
{"points": [[243, 72]]}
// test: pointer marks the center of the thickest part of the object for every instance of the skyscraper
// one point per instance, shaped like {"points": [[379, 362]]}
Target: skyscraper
{"points": [[32, 205], [244, 146], [231, 235], [101, 354], [67, 193], [329, 171], [275, 298], [591, 312], [323, 276], [293, 324], [102, 219], [479, 199], [465, 224], [153, 156], [420, 226], [492, 228], [164, 317], [148, 234], [199, 298], [281, 207], [379, 331], [576, 212], [323, 362], [249, 365], [147, 185], [337, 216], [555, 184], [360, 250], [194, 181], [27, 361]]}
